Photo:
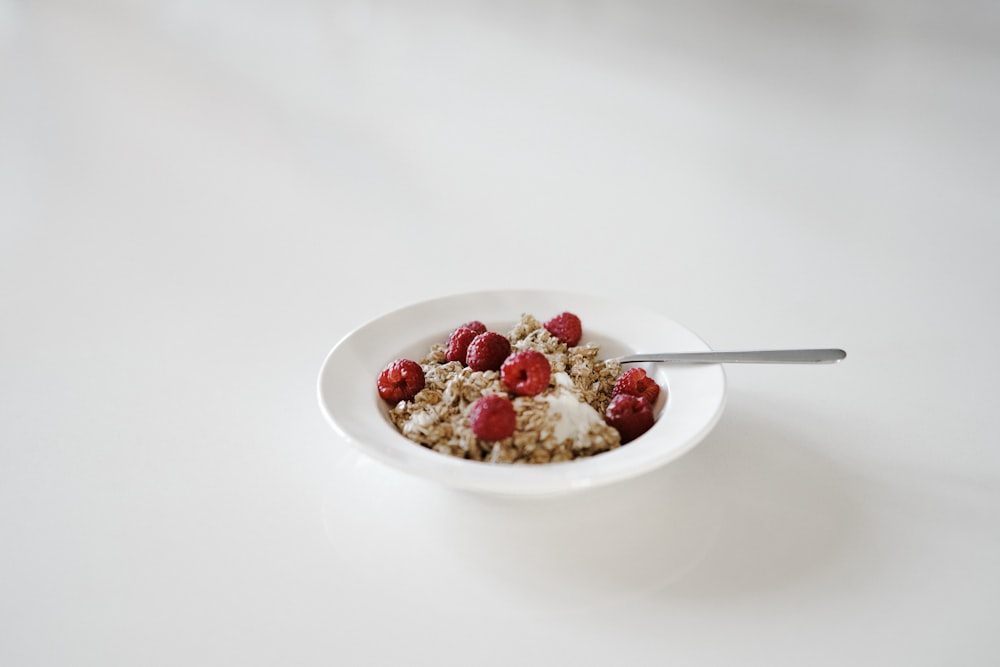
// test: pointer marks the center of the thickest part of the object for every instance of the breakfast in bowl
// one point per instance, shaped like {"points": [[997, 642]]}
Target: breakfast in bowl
{"points": [[534, 394], [408, 389]]}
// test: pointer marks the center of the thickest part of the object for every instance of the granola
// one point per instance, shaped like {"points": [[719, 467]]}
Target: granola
{"points": [[562, 423]]}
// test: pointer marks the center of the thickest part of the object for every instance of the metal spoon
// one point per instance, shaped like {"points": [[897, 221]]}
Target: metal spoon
{"points": [[823, 356]]}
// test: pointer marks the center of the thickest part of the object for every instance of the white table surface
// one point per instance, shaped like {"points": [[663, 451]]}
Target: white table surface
{"points": [[198, 199]]}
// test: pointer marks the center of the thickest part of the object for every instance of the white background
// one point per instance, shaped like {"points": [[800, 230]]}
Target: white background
{"points": [[198, 199]]}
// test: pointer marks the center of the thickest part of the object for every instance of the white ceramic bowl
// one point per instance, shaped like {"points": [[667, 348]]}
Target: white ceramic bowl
{"points": [[349, 398]]}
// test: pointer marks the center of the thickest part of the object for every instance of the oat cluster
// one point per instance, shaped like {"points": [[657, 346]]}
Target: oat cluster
{"points": [[438, 416]]}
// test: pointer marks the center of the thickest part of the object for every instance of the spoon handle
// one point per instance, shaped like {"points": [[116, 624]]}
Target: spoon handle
{"points": [[825, 356]]}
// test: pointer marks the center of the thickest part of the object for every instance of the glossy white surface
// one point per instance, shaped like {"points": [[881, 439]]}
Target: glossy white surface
{"points": [[198, 198], [351, 404]]}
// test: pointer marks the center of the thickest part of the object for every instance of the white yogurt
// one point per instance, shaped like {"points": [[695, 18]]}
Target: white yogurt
{"points": [[575, 416]]}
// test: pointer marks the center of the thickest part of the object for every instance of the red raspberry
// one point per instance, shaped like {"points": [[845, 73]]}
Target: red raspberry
{"points": [[635, 382], [566, 327], [526, 373], [630, 415], [492, 417], [458, 344], [400, 381], [487, 351], [475, 325]]}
